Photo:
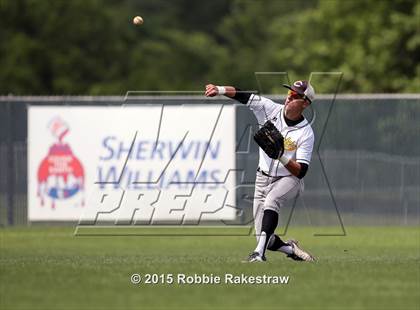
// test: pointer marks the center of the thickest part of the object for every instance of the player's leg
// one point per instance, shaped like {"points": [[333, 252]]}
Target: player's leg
{"points": [[285, 189], [268, 225], [276, 243], [280, 191], [261, 187]]}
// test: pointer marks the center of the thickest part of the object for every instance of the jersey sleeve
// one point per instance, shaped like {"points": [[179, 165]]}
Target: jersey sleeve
{"points": [[242, 96], [305, 148], [262, 107]]}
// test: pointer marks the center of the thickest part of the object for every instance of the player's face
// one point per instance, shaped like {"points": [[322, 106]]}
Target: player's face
{"points": [[294, 104]]}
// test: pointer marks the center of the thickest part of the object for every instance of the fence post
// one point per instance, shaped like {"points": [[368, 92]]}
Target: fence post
{"points": [[10, 177], [402, 193]]}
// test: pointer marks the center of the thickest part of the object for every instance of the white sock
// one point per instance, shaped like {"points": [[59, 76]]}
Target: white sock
{"points": [[288, 249], [261, 243]]}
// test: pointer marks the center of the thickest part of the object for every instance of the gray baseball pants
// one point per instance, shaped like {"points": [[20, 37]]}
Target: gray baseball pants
{"points": [[271, 193]]}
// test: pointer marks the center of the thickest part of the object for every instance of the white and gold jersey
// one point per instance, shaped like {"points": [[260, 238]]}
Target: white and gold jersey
{"points": [[298, 139]]}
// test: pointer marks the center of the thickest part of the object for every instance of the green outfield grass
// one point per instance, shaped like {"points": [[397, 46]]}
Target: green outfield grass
{"points": [[50, 268]]}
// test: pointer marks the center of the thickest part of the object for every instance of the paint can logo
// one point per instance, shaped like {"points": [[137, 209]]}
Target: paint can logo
{"points": [[60, 174]]}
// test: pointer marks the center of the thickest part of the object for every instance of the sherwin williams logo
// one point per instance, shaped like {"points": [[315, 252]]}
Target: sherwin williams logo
{"points": [[60, 173]]}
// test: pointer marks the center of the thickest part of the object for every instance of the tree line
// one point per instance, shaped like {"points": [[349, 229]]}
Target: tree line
{"points": [[64, 47]]}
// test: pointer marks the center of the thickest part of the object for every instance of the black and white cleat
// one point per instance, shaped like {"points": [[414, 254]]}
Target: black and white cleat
{"points": [[255, 257], [298, 253]]}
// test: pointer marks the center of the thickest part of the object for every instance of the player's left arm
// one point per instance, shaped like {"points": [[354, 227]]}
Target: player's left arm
{"points": [[296, 168]]}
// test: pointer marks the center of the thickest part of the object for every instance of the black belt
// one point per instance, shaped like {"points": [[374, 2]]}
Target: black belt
{"points": [[271, 176]]}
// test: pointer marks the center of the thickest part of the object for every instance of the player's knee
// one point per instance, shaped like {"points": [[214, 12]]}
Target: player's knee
{"points": [[272, 205]]}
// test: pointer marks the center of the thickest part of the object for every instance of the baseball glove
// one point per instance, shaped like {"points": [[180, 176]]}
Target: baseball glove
{"points": [[269, 138]]}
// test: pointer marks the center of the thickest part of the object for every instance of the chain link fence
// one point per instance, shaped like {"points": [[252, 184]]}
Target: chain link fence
{"points": [[365, 168]]}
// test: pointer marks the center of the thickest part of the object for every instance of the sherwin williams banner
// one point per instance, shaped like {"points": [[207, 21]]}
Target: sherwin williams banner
{"points": [[134, 165]]}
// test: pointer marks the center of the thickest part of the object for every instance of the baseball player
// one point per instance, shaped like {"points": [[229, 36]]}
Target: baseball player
{"points": [[284, 157]]}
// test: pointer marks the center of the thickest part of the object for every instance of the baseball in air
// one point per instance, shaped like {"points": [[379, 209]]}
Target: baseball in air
{"points": [[138, 20]]}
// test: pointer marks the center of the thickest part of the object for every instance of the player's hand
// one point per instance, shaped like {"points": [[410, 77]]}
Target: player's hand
{"points": [[211, 90]]}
